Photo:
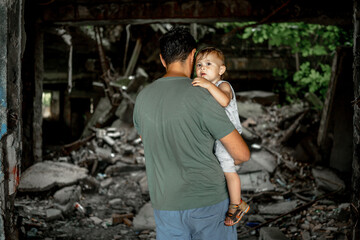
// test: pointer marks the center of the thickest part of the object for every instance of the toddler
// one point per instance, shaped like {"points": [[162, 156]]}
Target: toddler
{"points": [[209, 70]]}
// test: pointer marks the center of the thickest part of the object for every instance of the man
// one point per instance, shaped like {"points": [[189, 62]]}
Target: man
{"points": [[178, 124]]}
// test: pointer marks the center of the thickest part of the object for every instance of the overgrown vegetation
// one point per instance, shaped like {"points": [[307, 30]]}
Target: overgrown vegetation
{"points": [[313, 47]]}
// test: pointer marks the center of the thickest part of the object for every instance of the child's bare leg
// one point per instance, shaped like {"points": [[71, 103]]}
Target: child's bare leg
{"points": [[234, 187]]}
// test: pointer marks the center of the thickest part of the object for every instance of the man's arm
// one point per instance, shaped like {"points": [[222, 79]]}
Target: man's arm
{"points": [[236, 146]]}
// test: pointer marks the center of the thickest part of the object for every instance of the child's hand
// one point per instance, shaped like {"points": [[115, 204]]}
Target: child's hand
{"points": [[202, 82]]}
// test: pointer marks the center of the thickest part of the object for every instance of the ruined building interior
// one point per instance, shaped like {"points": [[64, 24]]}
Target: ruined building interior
{"points": [[72, 164]]}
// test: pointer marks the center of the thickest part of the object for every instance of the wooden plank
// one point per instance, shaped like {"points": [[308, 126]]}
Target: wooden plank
{"points": [[124, 12]]}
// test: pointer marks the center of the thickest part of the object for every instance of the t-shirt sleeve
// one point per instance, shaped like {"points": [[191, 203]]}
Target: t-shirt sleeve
{"points": [[215, 119]]}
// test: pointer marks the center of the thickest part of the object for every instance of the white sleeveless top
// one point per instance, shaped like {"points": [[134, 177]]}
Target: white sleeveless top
{"points": [[233, 114]]}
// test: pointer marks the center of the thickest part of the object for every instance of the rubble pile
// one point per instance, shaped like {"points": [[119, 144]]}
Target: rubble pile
{"points": [[289, 195]]}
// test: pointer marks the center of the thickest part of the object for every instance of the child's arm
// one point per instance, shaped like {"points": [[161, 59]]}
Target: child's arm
{"points": [[222, 94]]}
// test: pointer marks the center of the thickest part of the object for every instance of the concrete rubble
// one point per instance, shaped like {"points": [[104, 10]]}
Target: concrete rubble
{"points": [[99, 189]]}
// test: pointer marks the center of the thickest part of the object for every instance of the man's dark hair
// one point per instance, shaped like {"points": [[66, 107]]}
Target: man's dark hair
{"points": [[176, 45]]}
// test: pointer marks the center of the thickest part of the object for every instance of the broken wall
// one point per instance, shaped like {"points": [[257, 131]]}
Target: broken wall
{"points": [[11, 46]]}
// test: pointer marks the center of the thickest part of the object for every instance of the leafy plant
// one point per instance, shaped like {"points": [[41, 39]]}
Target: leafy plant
{"points": [[310, 43]]}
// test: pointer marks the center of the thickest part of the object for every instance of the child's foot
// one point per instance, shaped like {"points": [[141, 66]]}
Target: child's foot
{"points": [[235, 213]]}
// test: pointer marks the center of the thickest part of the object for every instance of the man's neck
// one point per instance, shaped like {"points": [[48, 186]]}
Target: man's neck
{"points": [[177, 69]]}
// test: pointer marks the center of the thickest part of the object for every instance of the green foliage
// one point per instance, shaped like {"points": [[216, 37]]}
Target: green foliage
{"points": [[280, 74], [303, 38], [312, 43]]}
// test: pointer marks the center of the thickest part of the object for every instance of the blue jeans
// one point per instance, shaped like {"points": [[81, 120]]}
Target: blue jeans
{"points": [[205, 223]]}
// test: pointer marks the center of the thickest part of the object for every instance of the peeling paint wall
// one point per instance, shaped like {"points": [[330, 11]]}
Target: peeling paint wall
{"points": [[3, 107], [11, 47]]}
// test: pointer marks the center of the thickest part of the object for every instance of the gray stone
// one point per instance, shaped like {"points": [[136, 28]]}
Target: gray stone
{"points": [[265, 159], [250, 110], [121, 167], [67, 194], [90, 184], [262, 97], [144, 185], [305, 235], [116, 203], [106, 182], [145, 218], [53, 214], [96, 220], [278, 208], [137, 176], [256, 218], [65, 208], [326, 179], [104, 154], [250, 136], [248, 167], [43, 176], [256, 182], [271, 233]]}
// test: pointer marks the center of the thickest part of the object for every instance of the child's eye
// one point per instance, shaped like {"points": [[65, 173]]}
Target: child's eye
{"points": [[198, 65], [208, 64]]}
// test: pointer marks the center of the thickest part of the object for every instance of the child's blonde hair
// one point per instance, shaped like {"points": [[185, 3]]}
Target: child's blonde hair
{"points": [[207, 50]]}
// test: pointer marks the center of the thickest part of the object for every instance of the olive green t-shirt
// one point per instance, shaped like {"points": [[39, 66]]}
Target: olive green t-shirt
{"points": [[178, 124]]}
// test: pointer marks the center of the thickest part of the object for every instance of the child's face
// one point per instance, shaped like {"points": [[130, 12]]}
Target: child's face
{"points": [[210, 67]]}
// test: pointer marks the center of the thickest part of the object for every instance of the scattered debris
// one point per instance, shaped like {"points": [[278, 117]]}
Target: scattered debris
{"points": [[98, 189]]}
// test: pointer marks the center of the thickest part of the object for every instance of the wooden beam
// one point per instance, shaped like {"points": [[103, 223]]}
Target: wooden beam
{"points": [[146, 11]]}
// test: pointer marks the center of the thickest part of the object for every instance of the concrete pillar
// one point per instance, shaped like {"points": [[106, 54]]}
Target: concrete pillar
{"points": [[356, 122], [32, 89], [11, 46]]}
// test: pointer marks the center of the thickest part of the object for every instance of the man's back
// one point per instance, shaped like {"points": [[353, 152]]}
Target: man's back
{"points": [[178, 124]]}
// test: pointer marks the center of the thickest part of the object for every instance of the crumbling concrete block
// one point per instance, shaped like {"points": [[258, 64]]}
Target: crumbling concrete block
{"points": [[250, 110], [278, 208], [53, 214], [121, 167], [43, 176], [261, 97], [67, 194], [326, 179], [96, 220], [256, 182], [145, 218], [264, 159], [144, 185], [271, 233]]}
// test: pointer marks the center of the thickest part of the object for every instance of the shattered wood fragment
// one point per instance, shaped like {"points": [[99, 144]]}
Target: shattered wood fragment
{"points": [[289, 133], [127, 222], [67, 149], [94, 167], [133, 59], [119, 218]]}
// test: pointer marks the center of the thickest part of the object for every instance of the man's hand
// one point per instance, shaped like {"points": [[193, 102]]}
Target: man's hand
{"points": [[202, 82]]}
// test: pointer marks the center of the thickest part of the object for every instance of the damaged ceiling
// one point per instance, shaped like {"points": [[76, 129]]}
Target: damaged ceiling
{"points": [[68, 12]]}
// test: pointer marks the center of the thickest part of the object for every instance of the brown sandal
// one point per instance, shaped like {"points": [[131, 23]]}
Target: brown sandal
{"points": [[240, 211]]}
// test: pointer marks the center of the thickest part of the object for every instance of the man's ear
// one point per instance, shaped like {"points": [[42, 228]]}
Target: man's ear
{"points": [[192, 55], [163, 61], [222, 69]]}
